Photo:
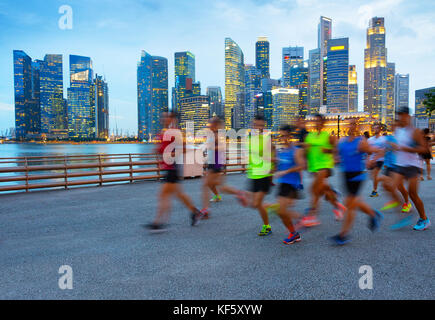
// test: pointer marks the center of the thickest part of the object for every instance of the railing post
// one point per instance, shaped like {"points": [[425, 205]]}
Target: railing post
{"points": [[27, 175], [65, 170], [100, 170], [131, 168]]}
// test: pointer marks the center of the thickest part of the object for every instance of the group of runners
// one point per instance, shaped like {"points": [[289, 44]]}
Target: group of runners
{"points": [[395, 162]]}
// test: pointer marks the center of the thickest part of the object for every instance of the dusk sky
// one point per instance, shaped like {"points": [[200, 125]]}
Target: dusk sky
{"points": [[113, 33]]}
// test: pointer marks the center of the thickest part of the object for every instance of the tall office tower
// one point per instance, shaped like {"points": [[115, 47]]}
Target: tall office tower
{"points": [[27, 113], [216, 106], [422, 119], [81, 122], [269, 84], [262, 56], [391, 73], [314, 79], [194, 109], [324, 34], [285, 107], [184, 77], [353, 89], [238, 117], [299, 80], [337, 90], [234, 77], [264, 107], [252, 88], [401, 91], [375, 72], [54, 116], [152, 94], [101, 107], [290, 57]]}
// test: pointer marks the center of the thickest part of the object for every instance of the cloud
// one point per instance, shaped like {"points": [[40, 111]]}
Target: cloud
{"points": [[6, 107]]}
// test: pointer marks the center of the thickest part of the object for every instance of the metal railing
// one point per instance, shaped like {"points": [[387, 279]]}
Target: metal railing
{"points": [[47, 172]]}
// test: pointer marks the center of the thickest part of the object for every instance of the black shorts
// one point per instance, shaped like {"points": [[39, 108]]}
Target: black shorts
{"points": [[261, 185], [288, 191], [378, 164], [171, 176], [388, 171], [409, 172], [214, 168], [427, 156], [352, 183]]}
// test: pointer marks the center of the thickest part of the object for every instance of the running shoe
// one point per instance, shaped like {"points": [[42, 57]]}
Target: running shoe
{"points": [[292, 238], [391, 205], [374, 194], [339, 240], [265, 231], [406, 207], [422, 224], [216, 198], [205, 214], [402, 223], [309, 221], [195, 217], [156, 228], [339, 211], [375, 221]]}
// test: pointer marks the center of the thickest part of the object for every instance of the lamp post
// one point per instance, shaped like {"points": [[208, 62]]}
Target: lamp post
{"points": [[338, 126]]}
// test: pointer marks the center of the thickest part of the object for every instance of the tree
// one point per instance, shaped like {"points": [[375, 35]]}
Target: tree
{"points": [[429, 102]]}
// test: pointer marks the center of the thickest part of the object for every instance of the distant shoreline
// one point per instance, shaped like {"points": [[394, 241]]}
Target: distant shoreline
{"points": [[74, 143]]}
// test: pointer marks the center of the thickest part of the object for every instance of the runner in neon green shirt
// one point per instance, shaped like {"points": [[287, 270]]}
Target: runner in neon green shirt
{"points": [[320, 149]]}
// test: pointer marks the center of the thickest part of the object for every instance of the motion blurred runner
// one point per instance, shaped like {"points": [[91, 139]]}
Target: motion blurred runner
{"points": [[320, 161], [171, 186], [378, 141], [352, 151]]}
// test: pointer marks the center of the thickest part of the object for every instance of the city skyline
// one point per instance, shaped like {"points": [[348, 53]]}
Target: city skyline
{"points": [[348, 21]]}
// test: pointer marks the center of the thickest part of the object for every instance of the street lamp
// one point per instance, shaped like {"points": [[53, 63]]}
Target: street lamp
{"points": [[338, 126]]}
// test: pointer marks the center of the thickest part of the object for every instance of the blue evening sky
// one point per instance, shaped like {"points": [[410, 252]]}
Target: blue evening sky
{"points": [[113, 33]]}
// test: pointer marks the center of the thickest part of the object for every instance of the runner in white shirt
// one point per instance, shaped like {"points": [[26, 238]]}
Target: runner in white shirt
{"points": [[377, 141]]}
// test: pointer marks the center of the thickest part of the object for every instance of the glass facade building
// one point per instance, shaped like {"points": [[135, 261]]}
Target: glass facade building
{"points": [[391, 73], [314, 79], [420, 109], [324, 30], [290, 56], [375, 72], [195, 109], [184, 64], [401, 91], [81, 119], [152, 94], [54, 116], [252, 88], [101, 108], [337, 90], [285, 107], [262, 56], [299, 80], [234, 78], [353, 89], [215, 97]]}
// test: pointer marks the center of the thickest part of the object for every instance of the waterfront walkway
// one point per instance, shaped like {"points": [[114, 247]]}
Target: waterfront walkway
{"points": [[97, 231]]}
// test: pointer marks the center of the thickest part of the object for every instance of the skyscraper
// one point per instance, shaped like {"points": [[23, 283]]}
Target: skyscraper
{"points": [[195, 109], [101, 107], [262, 56], [375, 71], [324, 34], [420, 109], [391, 73], [81, 120], [299, 80], [24, 104], [285, 106], [54, 116], [290, 57], [234, 77], [215, 98], [353, 89], [337, 90], [184, 63], [314, 79], [401, 91], [152, 94], [252, 88]]}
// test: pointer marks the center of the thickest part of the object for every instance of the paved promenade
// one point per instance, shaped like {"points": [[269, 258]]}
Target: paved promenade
{"points": [[97, 231]]}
